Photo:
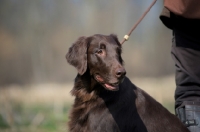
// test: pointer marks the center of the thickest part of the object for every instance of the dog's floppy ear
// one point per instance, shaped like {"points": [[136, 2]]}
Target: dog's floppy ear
{"points": [[77, 55], [115, 38]]}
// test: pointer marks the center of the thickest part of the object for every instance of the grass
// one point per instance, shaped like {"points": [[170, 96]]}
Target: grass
{"points": [[38, 108], [35, 117], [45, 107]]}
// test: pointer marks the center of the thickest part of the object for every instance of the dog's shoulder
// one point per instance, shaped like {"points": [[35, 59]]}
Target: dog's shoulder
{"points": [[151, 112]]}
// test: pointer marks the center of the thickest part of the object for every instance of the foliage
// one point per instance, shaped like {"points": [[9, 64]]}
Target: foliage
{"points": [[34, 117]]}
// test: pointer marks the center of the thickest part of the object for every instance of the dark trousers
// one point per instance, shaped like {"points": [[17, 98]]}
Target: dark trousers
{"points": [[186, 55]]}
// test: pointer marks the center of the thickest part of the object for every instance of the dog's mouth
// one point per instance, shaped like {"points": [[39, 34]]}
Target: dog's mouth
{"points": [[108, 86]]}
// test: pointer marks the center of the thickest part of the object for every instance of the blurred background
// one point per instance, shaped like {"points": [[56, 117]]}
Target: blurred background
{"points": [[35, 79]]}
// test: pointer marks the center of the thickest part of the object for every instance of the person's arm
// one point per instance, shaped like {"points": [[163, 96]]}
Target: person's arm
{"points": [[184, 8]]}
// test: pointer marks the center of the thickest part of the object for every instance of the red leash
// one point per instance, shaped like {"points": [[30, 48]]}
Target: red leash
{"points": [[126, 37]]}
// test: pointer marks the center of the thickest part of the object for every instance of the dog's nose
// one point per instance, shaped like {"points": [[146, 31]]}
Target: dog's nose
{"points": [[120, 72]]}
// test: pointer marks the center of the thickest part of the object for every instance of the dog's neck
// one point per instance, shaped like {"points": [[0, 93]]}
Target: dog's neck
{"points": [[87, 80], [83, 87]]}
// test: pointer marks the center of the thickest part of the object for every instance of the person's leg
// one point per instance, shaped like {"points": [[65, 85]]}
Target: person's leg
{"points": [[186, 55]]}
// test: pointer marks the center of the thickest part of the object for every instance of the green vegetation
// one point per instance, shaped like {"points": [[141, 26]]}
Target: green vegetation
{"points": [[34, 117]]}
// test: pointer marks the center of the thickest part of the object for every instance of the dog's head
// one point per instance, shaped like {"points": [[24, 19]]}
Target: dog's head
{"points": [[101, 55]]}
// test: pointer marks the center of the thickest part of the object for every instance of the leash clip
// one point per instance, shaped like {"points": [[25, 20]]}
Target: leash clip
{"points": [[126, 37]]}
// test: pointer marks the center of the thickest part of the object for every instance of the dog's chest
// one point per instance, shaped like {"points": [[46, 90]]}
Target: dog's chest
{"points": [[101, 120], [92, 116], [109, 112], [121, 106]]}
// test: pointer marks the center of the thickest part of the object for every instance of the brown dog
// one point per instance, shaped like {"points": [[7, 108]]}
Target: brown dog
{"points": [[105, 99]]}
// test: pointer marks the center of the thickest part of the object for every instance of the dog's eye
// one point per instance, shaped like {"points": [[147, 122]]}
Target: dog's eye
{"points": [[102, 46]]}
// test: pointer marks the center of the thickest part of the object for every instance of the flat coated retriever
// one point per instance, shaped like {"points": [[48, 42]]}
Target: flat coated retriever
{"points": [[105, 99]]}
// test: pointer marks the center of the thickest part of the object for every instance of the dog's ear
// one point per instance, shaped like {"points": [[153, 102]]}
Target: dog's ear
{"points": [[77, 55], [115, 38]]}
